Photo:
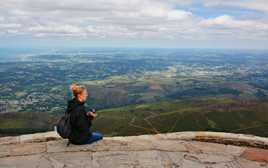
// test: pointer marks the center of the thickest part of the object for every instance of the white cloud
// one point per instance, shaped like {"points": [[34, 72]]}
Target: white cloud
{"points": [[12, 31], [179, 15], [10, 25], [56, 29], [74, 17], [226, 21], [2, 19], [260, 5], [229, 22], [226, 26], [139, 19]]}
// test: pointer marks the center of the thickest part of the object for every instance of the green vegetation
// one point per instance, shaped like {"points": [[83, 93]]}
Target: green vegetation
{"points": [[139, 91], [204, 114], [207, 114], [28, 122], [211, 124]]}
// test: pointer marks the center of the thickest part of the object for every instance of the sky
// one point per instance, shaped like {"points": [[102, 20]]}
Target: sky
{"points": [[134, 23]]}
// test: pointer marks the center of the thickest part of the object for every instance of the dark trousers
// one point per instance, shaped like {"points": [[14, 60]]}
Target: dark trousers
{"points": [[96, 136]]}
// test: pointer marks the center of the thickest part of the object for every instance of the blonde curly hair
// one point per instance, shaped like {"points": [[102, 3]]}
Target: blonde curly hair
{"points": [[79, 92]]}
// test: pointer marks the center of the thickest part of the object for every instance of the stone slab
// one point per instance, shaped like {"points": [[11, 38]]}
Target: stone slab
{"points": [[253, 154], [152, 151], [4, 151], [9, 140], [39, 137], [27, 149]]}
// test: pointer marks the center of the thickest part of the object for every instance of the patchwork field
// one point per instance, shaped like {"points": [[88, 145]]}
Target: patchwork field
{"points": [[139, 91]]}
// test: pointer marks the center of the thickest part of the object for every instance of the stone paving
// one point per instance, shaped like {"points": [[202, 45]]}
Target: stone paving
{"points": [[174, 150]]}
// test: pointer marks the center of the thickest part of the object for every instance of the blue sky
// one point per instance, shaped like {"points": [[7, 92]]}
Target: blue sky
{"points": [[134, 23]]}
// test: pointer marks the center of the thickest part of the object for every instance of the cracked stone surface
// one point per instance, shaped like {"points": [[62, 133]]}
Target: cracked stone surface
{"points": [[174, 150]]}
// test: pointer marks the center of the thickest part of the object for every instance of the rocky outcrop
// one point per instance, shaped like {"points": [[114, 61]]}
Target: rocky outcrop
{"points": [[172, 150]]}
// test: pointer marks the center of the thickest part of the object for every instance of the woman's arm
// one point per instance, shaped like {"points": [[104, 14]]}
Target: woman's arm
{"points": [[91, 114]]}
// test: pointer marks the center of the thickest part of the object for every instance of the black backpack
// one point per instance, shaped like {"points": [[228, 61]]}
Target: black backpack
{"points": [[63, 126]]}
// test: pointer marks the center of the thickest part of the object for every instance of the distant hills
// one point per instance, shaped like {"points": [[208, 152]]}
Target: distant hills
{"points": [[205, 114], [138, 91]]}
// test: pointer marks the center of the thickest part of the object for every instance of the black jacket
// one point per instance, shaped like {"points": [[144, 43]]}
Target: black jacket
{"points": [[80, 122]]}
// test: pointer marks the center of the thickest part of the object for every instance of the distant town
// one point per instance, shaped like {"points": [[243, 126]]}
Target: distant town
{"points": [[115, 78]]}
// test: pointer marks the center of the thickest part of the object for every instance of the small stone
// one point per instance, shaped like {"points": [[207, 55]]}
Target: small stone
{"points": [[4, 151], [172, 159], [27, 149], [39, 137], [204, 147], [254, 154], [126, 159], [251, 164], [103, 145], [235, 150], [70, 159], [29, 161], [9, 140], [169, 145]]}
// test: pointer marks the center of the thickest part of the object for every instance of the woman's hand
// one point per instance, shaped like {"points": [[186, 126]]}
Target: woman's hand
{"points": [[91, 114]]}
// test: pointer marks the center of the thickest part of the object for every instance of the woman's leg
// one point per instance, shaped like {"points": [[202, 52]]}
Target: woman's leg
{"points": [[95, 137]]}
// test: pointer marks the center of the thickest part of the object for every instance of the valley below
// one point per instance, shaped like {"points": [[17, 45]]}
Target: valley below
{"points": [[139, 91]]}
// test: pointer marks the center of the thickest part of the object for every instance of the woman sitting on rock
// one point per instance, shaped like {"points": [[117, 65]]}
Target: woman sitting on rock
{"points": [[80, 119]]}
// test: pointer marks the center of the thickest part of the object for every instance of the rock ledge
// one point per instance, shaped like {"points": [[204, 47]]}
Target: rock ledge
{"points": [[181, 149]]}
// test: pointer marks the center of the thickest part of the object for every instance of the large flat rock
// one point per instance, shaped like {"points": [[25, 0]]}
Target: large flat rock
{"points": [[172, 150]]}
